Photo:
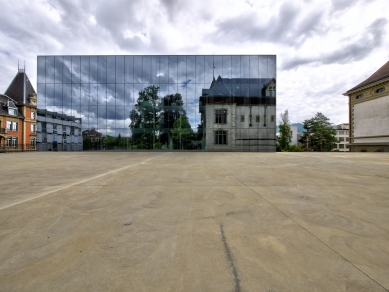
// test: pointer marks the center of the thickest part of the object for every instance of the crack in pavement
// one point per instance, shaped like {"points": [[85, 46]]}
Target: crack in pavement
{"points": [[230, 260]]}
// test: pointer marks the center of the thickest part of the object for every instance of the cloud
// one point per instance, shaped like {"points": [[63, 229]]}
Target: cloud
{"points": [[288, 27], [356, 51]]}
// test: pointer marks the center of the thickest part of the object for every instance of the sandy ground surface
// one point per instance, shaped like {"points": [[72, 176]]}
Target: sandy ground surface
{"points": [[122, 221]]}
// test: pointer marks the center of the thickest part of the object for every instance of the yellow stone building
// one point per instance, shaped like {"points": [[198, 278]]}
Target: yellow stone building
{"points": [[369, 113]]}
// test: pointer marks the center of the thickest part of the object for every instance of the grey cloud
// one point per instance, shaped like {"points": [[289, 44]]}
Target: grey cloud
{"points": [[284, 28], [173, 7], [339, 5], [358, 50]]}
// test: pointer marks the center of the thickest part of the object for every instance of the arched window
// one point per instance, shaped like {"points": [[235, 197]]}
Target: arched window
{"points": [[220, 137]]}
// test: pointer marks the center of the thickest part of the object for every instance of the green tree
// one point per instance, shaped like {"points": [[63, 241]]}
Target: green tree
{"points": [[285, 132], [172, 107], [109, 142], [182, 132], [87, 144], [145, 117], [320, 135]]}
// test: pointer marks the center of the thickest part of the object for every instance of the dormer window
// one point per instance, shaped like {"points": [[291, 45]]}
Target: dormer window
{"points": [[382, 89], [13, 111]]}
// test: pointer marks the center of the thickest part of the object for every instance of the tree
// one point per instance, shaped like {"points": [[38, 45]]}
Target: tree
{"points": [[145, 117], [172, 107], [320, 135], [285, 132], [182, 131]]}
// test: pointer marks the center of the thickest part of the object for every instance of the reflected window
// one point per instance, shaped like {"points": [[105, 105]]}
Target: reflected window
{"points": [[257, 119], [220, 116], [221, 137], [242, 118]]}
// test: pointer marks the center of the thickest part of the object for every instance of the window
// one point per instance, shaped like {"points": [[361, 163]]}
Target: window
{"points": [[220, 137], [9, 141], [220, 116], [257, 119], [33, 128], [33, 142], [341, 146], [382, 89], [272, 91], [341, 139], [13, 111], [33, 115], [242, 118], [347, 139], [43, 124], [346, 132], [341, 132], [54, 126], [12, 126], [14, 141], [347, 146], [359, 96], [272, 118]]}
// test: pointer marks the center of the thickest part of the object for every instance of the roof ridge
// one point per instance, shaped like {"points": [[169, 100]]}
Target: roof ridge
{"points": [[381, 73]]}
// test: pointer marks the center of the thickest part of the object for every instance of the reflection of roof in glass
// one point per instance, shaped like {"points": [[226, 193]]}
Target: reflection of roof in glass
{"points": [[238, 87]]}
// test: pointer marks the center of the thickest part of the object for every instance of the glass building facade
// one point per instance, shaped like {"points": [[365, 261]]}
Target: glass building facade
{"points": [[178, 102]]}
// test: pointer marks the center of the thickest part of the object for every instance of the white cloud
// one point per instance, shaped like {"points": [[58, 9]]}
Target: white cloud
{"points": [[323, 47]]}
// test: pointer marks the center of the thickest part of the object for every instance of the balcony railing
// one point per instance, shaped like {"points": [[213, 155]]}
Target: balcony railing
{"points": [[3, 131], [18, 148]]}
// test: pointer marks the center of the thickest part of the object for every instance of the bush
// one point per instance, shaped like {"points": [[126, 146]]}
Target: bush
{"points": [[294, 148], [158, 145]]}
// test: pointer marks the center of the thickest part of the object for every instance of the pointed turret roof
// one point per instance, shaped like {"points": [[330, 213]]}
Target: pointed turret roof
{"points": [[20, 88]]}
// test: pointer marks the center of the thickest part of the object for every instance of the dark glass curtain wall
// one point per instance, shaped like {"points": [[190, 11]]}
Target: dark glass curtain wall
{"points": [[148, 102]]}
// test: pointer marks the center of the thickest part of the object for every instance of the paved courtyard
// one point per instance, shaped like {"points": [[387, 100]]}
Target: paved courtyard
{"points": [[160, 221]]}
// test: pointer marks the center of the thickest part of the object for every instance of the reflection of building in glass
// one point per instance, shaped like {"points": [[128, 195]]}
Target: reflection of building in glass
{"points": [[18, 115], [238, 114], [92, 134], [155, 99], [58, 132]]}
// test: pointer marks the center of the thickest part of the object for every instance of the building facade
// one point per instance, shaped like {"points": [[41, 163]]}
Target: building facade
{"points": [[157, 102], [238, 114], [342, 137], [368, 113], [18, 111], [58, 132]]}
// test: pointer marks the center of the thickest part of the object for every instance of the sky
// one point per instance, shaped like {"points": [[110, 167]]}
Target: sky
{"points": [[323, 47]]}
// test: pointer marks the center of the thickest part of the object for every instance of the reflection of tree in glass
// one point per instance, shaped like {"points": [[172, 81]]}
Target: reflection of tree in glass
{"points": [[182, 132], [145, 118], [153, 118], [172, 107]]}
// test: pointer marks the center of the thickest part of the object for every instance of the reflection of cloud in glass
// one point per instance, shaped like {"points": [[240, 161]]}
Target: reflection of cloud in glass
{"points": [[102, 90]]}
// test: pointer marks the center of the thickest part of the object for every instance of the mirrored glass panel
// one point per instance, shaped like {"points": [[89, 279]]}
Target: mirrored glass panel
{"points": [[175, 102]]}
